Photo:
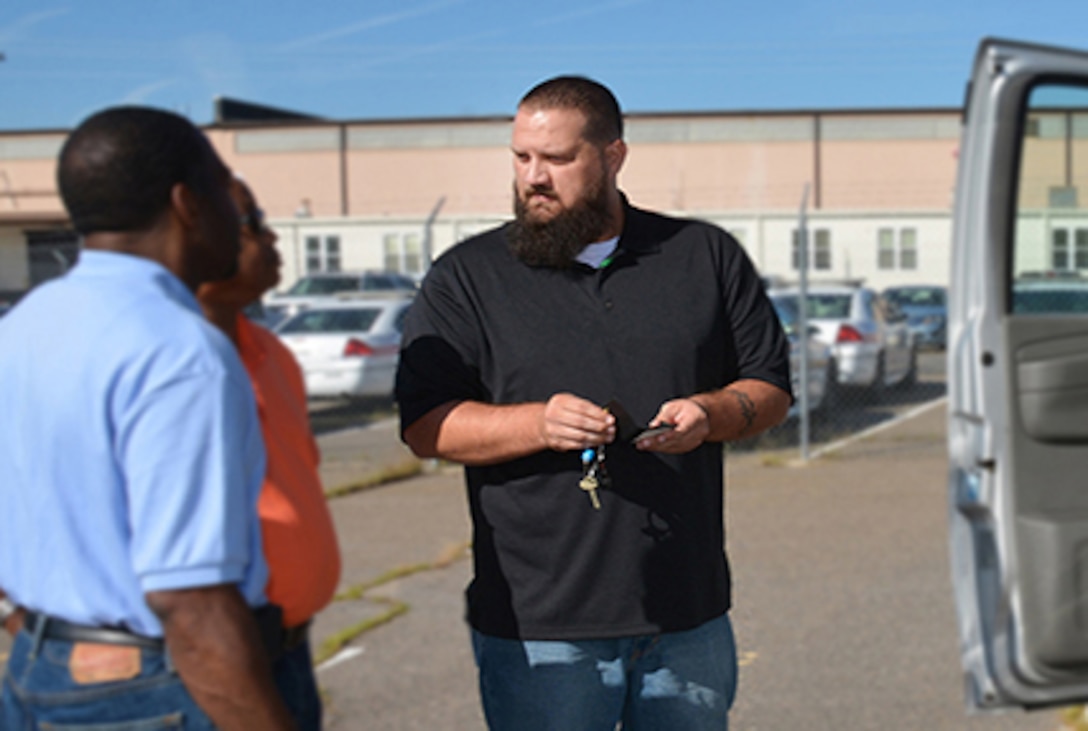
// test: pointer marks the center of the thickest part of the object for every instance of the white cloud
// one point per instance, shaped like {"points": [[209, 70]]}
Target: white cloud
{"points": [[369, 24], [19, 28], [140, 94]]}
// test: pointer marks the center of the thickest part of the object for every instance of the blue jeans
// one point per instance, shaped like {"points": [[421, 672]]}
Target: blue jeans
{"points": [[39, 692], [294, 676], [666, 682]]}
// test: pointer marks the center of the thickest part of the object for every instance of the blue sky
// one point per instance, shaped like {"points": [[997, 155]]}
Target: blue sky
{"points": [[377, 59]]}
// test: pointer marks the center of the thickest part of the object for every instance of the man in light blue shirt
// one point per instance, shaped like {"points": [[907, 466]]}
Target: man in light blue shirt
{"points": [[130, 453]]}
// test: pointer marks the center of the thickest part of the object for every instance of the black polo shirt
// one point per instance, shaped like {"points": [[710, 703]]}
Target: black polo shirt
{"points": [[679, 311]]}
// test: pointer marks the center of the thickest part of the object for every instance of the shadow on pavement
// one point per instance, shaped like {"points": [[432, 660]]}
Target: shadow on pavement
{"points": [[332, 415], [848, 415]]}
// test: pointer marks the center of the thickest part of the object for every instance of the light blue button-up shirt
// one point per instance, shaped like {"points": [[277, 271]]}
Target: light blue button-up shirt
{"points": [[130, 452]]}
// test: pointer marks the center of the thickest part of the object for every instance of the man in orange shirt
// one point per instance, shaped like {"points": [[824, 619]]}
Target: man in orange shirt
{"points": [[299, 540]]}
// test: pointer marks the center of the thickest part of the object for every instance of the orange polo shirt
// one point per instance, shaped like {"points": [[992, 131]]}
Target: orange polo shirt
{"points": [[299, 539]]}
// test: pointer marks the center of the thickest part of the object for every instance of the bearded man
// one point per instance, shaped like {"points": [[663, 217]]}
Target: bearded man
{"points": [[531, 356]]}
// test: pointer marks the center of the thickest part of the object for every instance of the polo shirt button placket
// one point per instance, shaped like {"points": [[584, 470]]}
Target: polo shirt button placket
{"points": [[608, 304]]}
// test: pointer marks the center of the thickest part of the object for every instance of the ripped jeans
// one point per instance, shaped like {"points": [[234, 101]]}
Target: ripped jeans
{"points": [[675, 680]]}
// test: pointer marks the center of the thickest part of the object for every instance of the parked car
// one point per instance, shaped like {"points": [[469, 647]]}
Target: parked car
{"points": [[1018, 380], [1041, 295], [926, 308], [348, 346], [819, 360], [315, 288], [870, 344]]}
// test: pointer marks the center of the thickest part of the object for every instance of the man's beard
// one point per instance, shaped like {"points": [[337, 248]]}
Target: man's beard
{"points": [[557, 242]]}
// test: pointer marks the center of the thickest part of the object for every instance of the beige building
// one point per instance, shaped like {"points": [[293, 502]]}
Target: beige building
{"points": [[382, 194]]}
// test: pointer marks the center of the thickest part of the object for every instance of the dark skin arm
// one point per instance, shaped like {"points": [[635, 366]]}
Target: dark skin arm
{"points": [[475, 433], [14, 623], [214, 643]]}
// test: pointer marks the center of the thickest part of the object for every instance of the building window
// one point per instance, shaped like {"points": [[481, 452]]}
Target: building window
{"points": [[823, 249], [1059, 251], [908, 248], [1080, 239], [1069, 249], [897, 249], [885, 248], [51, 253], [403, 252], [819, 249], [322, 254]]}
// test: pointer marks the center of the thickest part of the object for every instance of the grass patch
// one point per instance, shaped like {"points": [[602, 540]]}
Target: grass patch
{"points": [[394, 473], [353, 593], [1074, 718], [332, 645]]}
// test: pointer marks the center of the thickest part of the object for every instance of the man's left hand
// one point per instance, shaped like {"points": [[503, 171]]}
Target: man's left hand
{"points": [[691, 426]]}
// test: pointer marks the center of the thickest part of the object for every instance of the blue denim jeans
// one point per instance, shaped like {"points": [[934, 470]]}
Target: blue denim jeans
{"points": [[39, 693], [294, 676], [666, 682]]}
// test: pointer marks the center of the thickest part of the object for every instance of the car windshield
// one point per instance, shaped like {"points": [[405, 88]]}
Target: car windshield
{"points": [[1031, 298], [323, 285], [331, 321], [917, 297], [786, 309], [820, 306]]}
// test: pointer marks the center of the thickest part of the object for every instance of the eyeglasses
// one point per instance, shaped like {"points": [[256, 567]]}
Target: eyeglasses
{"points": [[253, 220]]}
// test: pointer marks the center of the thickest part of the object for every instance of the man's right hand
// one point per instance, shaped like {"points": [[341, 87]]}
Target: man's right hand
{"points": [[570, 422], [475, 433], [214, 643]]}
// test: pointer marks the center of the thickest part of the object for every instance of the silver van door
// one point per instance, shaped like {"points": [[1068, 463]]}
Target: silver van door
{"points": [[1018, 378]]}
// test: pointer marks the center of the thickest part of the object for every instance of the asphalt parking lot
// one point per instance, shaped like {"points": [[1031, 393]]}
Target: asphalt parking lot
{"points": [[842, 601]]}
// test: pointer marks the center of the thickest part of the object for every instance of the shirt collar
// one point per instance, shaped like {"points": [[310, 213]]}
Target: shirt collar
{"points": [[637, 237], [99, 263]]}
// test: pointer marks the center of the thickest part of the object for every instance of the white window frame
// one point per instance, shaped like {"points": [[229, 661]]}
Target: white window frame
{"points": [[323, 253], [897, 248], [819, 253], [402, 251]]}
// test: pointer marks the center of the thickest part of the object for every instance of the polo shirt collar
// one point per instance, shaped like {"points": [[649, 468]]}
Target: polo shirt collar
{"points": [[98, 263], [636, 238]]}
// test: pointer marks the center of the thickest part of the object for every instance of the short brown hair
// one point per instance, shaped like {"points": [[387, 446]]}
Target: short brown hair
{"points": [[604, 121]]}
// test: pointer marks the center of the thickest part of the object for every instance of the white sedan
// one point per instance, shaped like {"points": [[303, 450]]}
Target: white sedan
{"points": [[870, 343], [348, 346]]}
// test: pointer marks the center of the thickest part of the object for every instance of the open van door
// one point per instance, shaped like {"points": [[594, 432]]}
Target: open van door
{"points": [[1018, 378]]}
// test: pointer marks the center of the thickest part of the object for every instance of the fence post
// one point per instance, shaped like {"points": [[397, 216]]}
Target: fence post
{"points": [[802, 320]]}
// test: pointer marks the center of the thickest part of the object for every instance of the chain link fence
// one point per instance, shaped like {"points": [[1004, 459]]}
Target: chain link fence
{"points": [[846, 410]]}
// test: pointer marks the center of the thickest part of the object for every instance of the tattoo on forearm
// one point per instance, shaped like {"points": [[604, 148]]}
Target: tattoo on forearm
{"points": [[747, 410]]}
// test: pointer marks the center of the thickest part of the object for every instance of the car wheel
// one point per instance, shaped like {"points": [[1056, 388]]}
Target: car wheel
{"points": [[911, 376], [876, 388], [832, 389]]}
